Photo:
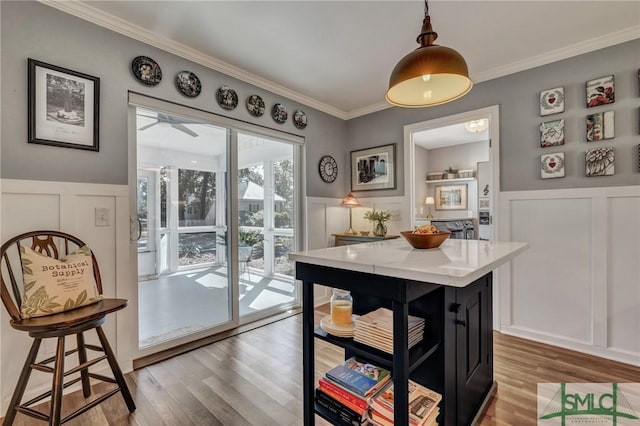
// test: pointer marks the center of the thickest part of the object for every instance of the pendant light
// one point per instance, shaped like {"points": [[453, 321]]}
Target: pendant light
{"points": [[430, 75]]}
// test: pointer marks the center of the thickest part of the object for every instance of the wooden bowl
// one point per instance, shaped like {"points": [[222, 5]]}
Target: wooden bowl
{"points": [[425, 241]]}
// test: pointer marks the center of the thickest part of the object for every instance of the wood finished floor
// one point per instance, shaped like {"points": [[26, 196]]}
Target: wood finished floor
{"points": [[255, 378]]}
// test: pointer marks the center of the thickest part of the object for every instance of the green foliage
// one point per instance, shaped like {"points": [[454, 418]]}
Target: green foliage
{"points": [[451, 170], [256, 219], [379, 216], [248, 237]]}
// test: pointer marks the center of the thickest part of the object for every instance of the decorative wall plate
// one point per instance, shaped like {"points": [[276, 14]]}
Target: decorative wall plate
{"points": [[255, 105], [552, 165], [600, 161], [600, 126], [552, 133], [279, 113], [328, 169], [300, 119], [552, 101], [188, 84], [601, 91], [146, 70], [227, 98]]}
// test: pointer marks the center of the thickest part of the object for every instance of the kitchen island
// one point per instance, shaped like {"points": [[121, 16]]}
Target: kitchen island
{"points": [[450, 286]]}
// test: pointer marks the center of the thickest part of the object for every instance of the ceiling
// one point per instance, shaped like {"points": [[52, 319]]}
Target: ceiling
{"points": [[337, 56]]}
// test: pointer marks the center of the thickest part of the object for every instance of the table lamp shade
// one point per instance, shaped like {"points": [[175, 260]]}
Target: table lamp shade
{"points": [[350, 201]]}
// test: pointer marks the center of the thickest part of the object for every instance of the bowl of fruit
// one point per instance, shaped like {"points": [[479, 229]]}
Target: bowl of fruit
{"points": [[425, 237]]}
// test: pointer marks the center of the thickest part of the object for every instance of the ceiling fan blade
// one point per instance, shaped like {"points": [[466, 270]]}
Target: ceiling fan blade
{"points": [[184, 129], [147, 126]]}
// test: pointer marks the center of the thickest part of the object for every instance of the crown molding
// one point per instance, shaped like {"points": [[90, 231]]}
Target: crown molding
{"points": [[379, 106], [580, 48], [89, 13]]}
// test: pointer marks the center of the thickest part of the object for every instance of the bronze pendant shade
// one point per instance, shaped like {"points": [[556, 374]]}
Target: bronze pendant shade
{"points": [[430, 75]]}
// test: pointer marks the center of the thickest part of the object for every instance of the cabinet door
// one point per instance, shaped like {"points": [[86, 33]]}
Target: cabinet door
{"points": [[474, 341]]}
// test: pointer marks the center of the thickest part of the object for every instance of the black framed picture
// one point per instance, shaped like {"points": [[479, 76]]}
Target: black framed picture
{"points": [[63, 107], [373, 168]]}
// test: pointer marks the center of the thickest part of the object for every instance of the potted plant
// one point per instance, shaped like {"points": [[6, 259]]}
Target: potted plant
{"points": [[451, 173], [378, 218]]}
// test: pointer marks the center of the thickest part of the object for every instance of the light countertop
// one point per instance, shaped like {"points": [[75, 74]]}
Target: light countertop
{"points": [[455, 263]]}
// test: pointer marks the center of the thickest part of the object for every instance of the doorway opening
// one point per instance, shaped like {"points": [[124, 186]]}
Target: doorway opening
{"points": [[455, 155]]}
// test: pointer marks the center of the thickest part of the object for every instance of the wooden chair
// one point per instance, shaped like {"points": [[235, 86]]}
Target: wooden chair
{"points": [[73, 322]]}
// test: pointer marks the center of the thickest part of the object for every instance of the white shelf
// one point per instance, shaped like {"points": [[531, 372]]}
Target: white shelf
{"points": [[450, 180]]}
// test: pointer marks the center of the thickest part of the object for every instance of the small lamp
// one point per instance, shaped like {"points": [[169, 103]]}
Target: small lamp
{"points": [[430, 202], [351, 202]]}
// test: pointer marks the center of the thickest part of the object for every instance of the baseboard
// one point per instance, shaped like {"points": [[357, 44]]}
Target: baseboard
{"points": [[608, 353]]}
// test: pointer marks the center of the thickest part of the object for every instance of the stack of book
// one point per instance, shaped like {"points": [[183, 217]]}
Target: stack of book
{"points": [[423, 406], [375, 329], [345, 390]]}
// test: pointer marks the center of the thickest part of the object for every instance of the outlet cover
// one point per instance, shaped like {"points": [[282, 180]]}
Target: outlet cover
{"points": [[102, 216]]}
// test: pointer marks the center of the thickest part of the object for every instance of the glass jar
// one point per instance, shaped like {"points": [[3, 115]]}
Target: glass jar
{"points": [[341, 307]]}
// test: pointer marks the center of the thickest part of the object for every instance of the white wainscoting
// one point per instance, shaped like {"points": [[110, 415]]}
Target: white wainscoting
{"points": [[69, 207], [578, 284]]}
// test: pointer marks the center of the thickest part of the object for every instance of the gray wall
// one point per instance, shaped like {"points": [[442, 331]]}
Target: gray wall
{"points": [[34, 30], [518, 96]]}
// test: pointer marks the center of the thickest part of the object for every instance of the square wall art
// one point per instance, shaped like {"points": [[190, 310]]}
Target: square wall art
{"points": [[552, 165], [600, 91], [600, 126], [552, 101], [552, 133], [600, 162]]}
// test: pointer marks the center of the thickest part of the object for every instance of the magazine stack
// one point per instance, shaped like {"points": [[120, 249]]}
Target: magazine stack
{"points": [[423, 406], [344, 392], [375, 329]]}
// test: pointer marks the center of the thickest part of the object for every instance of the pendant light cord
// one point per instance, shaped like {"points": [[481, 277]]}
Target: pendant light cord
{"points": [[427, 36]]}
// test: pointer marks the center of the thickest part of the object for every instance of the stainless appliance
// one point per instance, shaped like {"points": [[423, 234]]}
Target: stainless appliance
{"points": [[461, 229]]}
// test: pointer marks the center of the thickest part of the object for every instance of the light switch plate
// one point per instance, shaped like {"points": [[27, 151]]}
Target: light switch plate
{"points": [[102, 216]]}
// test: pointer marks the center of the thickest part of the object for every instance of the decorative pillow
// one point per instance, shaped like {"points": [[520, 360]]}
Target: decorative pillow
{"points": [[56, 285]]}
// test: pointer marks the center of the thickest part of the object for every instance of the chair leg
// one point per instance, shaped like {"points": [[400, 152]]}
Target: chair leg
{"points": [[58, 379], [82, 358], [22, 382], [115, 368]]}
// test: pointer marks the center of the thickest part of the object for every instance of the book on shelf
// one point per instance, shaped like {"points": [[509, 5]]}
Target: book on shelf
{"points": [[344, 401], [344, 393], [375, 418], [382, 320], [344, 414], [360, 377], [376, 329], [423, 402]]}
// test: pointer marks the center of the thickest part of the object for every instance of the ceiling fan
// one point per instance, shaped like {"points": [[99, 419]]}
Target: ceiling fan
{"points": [[175, 122]]}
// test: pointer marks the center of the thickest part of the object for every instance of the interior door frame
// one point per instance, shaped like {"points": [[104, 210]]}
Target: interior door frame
{"points": [[493, 114]]}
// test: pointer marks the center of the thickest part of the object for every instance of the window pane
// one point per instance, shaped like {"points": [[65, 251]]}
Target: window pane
{"points": [[164, 181], [196, 198], [251, 196], [196, 248], [284, 200], [143, 211], [283, 246]]}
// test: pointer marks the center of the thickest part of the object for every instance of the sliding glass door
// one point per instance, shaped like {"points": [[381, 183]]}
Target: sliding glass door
{"points": [[266, 201], [184, 284], [216, 215]]}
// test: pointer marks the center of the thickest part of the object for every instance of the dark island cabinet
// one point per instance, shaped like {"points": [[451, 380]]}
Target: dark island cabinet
{"points": [[454, 359]]}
